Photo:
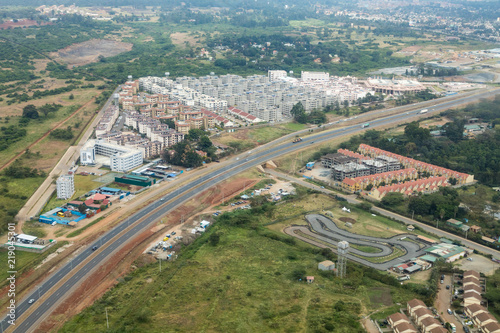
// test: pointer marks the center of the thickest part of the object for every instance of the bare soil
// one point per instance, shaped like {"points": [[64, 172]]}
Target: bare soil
{"points": [[87, 52], [347, 219]]}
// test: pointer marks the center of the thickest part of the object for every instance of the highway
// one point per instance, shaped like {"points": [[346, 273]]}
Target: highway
{"points": [[73, 272]]}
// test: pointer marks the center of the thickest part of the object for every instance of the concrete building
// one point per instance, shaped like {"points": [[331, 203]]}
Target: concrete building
{"points": [[121, 158], [349, 170], [65, 186]]}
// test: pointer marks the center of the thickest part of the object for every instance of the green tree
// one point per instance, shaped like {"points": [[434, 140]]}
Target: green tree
{"points": [[299, 113], [30, 111]]}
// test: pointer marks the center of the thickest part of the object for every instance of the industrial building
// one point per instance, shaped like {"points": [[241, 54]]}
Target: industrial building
{"points": [[118, 158], [447, 252]]}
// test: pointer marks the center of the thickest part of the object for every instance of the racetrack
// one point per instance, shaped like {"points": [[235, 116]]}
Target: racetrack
{"points": [[326, 231]]}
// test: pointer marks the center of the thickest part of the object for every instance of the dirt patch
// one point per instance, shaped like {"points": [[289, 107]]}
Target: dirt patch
{"points": [[180, 38], [89, 51], [23, 23], [347, 219]]}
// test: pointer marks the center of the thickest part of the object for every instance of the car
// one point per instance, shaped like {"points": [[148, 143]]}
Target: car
{"points": [[449, 311], [448, 287], [442, 281], [173, 232], [469, 259], [94, 248], [162, 199], [312, 142], [31, 301]]}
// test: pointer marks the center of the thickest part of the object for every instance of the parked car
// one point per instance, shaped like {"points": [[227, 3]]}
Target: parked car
{"points": [[449, 311], [469, 259], [448, 287], [173, 232]]}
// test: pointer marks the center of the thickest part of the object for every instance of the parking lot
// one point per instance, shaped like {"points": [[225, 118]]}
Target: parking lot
{"points": [[479, 263]]}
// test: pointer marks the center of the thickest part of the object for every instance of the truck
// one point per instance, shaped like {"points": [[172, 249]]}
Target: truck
{"points": [[403, 277], [453, 327], [365, 125], [297, 139], [423, 111]]}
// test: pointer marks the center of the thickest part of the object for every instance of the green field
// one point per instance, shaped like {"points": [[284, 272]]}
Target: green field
{"points": [[240, 277]]}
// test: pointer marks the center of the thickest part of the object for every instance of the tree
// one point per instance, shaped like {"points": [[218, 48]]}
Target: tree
{"points": [[82, 208], [455, 130], [71, 96], [205, 143], [392, 199], [194, 134], [30, 111], [299, 113]]}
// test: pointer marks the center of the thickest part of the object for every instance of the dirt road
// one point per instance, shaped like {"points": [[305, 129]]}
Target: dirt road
{"points": [[443, 301]]}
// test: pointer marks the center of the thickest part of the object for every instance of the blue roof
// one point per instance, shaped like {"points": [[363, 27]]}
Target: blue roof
{"points": [[110, 189]]}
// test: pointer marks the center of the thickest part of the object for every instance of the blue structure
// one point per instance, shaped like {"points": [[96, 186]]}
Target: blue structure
{"points": [[51, 216], [110, 190], [310, 165]]}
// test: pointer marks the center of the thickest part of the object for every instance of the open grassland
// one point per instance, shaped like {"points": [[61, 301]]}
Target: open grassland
{"points": [[38, 127], [239, 278]]}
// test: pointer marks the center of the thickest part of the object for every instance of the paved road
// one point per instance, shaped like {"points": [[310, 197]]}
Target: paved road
{"points": [[327, 231], [171, 200]]}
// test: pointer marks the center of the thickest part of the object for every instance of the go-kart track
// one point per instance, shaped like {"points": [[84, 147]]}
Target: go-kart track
{"points": [[326, 231]]}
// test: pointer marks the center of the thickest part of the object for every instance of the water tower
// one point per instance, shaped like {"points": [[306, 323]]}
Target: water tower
{"points": [[342, 249]]}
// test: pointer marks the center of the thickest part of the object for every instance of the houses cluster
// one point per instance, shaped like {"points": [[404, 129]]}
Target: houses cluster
{"points": [[420, 319], [433, 170], [473, 287], [376, 172]]}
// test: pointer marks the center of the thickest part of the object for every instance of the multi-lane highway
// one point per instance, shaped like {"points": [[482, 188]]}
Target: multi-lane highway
{"points": [[60, 283]]}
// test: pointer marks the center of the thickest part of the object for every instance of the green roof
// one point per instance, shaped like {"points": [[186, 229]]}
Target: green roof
{"points": [[445, 240], [429, 258], [144, 179]]}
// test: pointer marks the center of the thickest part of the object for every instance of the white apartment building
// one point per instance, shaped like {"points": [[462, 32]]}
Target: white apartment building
{"points": [[120, 158], [65, 186]]}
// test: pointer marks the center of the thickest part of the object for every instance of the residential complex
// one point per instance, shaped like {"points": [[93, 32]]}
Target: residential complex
{"points": [[380, 173]]}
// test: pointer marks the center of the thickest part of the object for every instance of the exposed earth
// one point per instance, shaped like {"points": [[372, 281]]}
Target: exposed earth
{"points": [[87, 52]]}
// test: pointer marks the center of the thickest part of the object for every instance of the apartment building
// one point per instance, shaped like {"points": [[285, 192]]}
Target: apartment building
{"points": [[65, 185]]}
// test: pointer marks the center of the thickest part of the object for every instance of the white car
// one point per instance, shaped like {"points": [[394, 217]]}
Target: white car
{"points": [[31, 301]]}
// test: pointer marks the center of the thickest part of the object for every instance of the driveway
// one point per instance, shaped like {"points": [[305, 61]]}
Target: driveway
{"points": [[443, 301]]}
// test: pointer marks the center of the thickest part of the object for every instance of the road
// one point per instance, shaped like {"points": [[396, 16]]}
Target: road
{"points": [[73, 272], [327, 231], [443, 301]]}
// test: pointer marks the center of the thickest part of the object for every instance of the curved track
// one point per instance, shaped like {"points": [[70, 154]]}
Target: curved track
{"points": [[325, 230], [76, 270]]}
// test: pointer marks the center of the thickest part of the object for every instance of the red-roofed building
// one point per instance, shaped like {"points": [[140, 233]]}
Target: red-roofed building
{"points": [[407, 162]]}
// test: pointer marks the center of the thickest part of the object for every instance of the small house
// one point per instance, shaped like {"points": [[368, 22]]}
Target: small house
{"points": [[204, 224], [310, 279]]}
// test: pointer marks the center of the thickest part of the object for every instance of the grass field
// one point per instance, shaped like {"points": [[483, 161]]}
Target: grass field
{"points": [[244, 280], [37, 128]]}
